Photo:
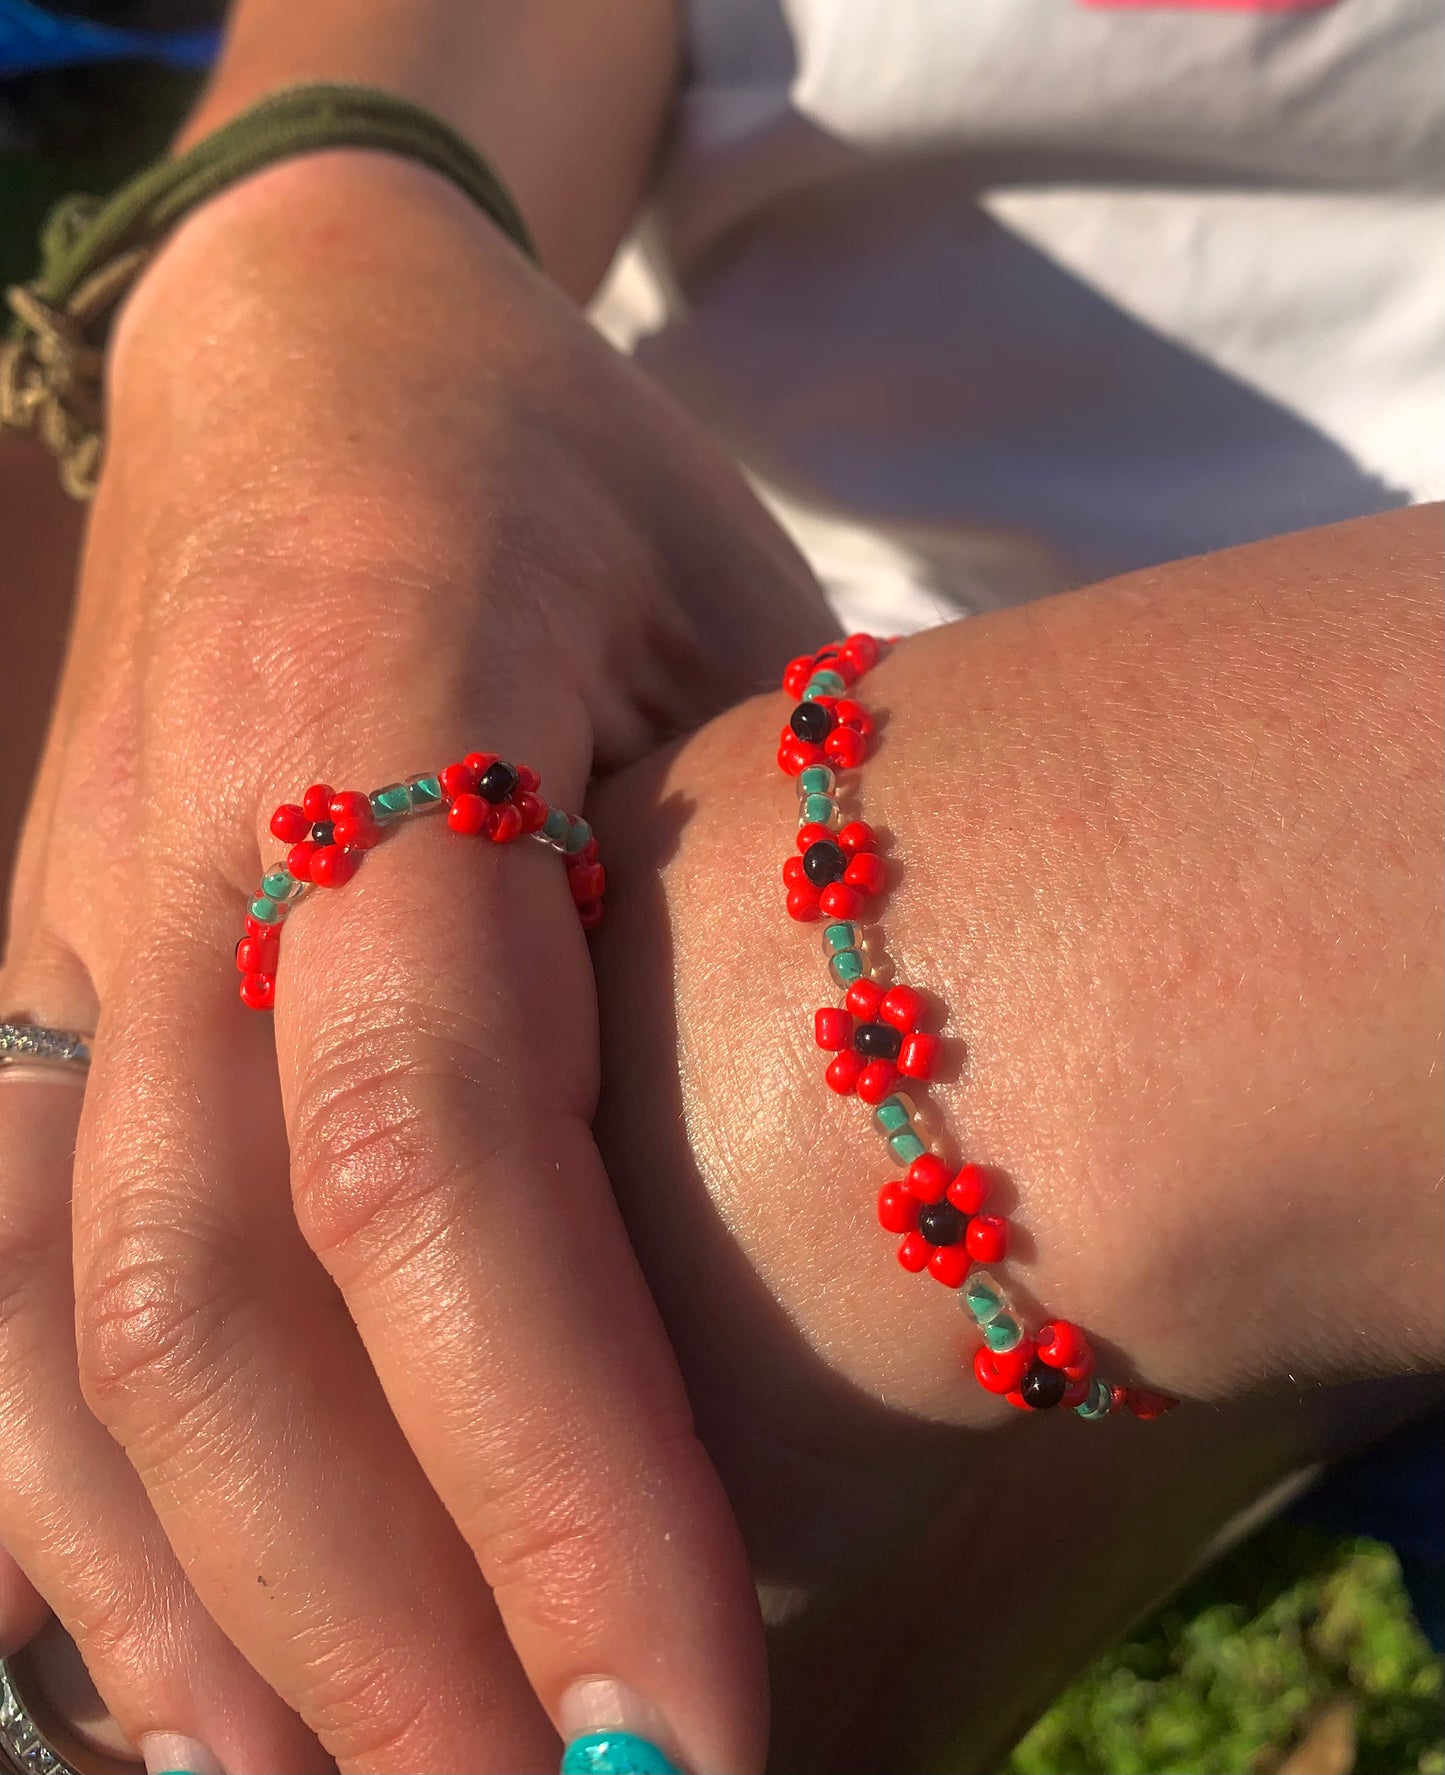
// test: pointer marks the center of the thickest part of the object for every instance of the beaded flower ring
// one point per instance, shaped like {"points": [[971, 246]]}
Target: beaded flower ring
{"points": [[329, 832], [877, 1046]]}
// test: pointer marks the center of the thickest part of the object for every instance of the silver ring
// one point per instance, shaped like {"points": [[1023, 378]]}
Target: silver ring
{"points": [[24, 1747], [30, 1044]]}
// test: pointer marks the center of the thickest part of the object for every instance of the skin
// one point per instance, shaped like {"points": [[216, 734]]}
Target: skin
{"points": [[288, 1468]]}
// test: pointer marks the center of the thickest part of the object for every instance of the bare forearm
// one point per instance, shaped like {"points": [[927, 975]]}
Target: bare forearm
{"points": [[567, 100]]}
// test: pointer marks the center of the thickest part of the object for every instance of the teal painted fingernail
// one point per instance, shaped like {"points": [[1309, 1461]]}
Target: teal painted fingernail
{"points": [[615, 1753]]}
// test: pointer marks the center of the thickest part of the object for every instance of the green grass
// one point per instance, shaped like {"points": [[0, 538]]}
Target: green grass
{"points": [[1226, 1677]]}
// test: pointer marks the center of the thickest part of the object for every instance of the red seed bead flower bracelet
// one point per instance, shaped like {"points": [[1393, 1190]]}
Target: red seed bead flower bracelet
{"points": [[879, 1049], [329, 833]]}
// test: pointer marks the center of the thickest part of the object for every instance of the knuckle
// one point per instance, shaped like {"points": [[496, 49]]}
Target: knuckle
{"points": [[358, 1702], [155, 1317], [376, 1157]]}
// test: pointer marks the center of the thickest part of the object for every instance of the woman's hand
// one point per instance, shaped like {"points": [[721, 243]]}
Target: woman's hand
{"points": [[387, 1425], [1166, 859]]}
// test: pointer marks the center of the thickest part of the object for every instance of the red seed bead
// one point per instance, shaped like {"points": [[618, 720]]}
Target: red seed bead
{"points": [[843, 1070], [863, 652], [480, 761], [867, 872], [289, 823], [589, 852], [949, 1265], [1075, 1393], [533, 810], [795, 678], [918, 1056], [833, 1029], [468, 813], [902, 1007], [316, 802], [258, 991], [298, 859], [813, 833], [825, 702], [928, 1178], [1017, 1401], [840, 901], [590, 914], [845, 748], [1061, 1343], [1000, 1371], [458, 779], [504, 824], [987, 1238], [793, 871], [797, 755], [863, 1000], [528, 780], [255, 955], [254, 927], [803, 902], [1147, 1406], [854, 715], [897, 1210], [1082, 1369], [914, 1252], [877, 1080], [857, 836], [356, 834], [332, 867], [587, 883], [350, 804], [969, 1190]]}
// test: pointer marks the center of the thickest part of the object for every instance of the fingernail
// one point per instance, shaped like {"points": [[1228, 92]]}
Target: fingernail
{"points": [[611, 1730], [168, 1753]]}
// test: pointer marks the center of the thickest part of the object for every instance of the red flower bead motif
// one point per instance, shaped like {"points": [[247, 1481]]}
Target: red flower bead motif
{"points": [[824, 880], [867, 1035]]}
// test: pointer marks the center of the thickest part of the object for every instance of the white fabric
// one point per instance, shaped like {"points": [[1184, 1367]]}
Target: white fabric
{"points": [[997, 296]]}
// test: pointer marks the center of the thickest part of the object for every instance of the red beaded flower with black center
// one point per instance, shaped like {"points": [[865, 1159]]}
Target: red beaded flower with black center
{"points": [[825, 730], [835, 873], [874, 1039], [937, 1214]]}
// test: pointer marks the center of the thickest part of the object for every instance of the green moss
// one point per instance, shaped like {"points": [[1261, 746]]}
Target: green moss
{"points": [[1225, 1678]]}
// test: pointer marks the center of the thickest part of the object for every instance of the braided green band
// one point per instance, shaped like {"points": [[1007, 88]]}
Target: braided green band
{"points": [[92, 251]]}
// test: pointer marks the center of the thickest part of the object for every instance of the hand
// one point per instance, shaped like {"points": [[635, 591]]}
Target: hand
{"points": [[385, 1428], [1166, 853]]}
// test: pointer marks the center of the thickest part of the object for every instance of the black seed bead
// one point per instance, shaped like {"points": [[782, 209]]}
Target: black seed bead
{"points": [[879, 1041], [812, 722], [498, 781], [1043, 1387], [941, 1223], [323, 832], [824, 862]]}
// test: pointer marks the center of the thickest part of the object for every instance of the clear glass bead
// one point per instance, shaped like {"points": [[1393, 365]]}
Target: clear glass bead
{"points": [[1003, 1333], [982, 1297], [390, 803], [817, 779], [425, 792]]}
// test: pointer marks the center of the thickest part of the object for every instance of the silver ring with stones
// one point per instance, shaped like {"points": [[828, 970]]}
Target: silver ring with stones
{"points": [[25, 1745], [31, 1044]]}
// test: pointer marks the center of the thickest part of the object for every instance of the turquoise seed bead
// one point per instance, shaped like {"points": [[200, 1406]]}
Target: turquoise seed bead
{"points": [[891, 1115], [983, 1297], [557, 825], [1097, 1400], [817, 779], [819, 808], [391, 802], [615, 1753], [266, 910], [579, 836], [1003, 1333], [846, 967], [279, 884], [824, 683], [838, 937], [906, 1147], [424, 791]]}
